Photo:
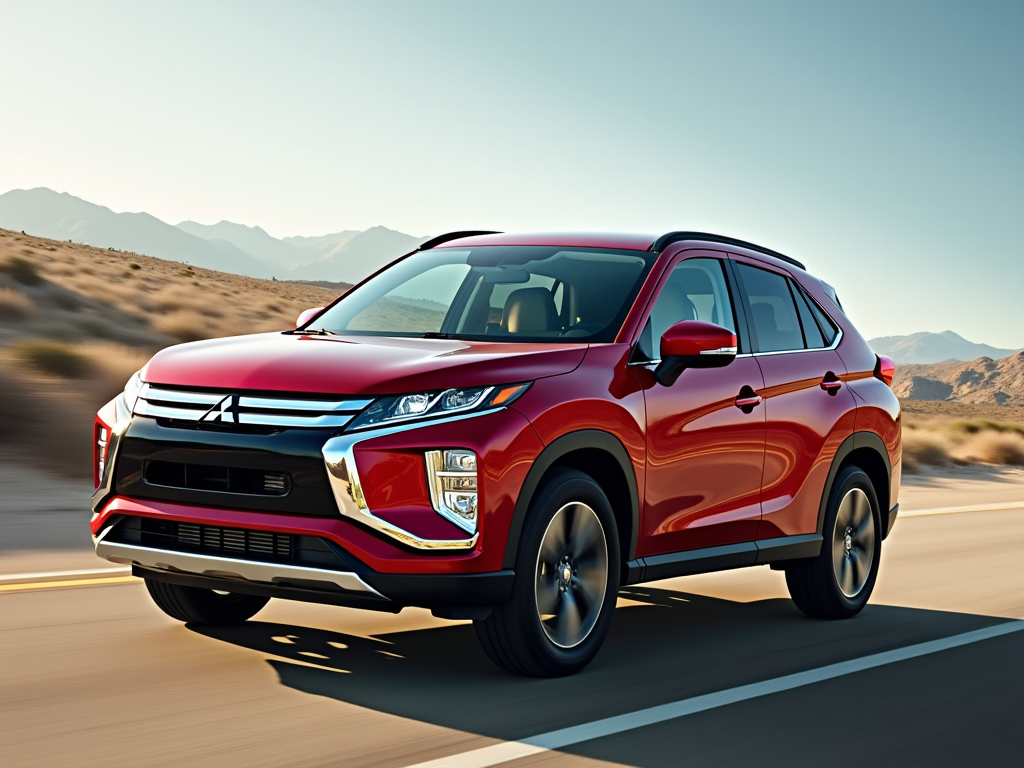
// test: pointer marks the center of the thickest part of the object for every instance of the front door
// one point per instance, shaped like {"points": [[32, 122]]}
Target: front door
{"points": [[706, 432]]}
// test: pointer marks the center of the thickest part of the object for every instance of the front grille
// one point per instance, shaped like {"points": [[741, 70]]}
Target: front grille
{"points": [[234, 541], [224, 409], [206, 477]]}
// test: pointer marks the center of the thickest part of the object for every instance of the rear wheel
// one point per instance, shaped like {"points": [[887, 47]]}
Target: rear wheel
{"points": [[204, 606], [838, 582], [567, 580]]}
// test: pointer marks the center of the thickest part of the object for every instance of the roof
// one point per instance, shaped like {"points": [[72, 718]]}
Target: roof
{"points": [[621, 240], [618, 240]]}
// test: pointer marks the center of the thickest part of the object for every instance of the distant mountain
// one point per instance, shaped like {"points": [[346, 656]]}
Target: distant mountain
{"points": [[252, 240], [341, 257], [360, 256], [321, 245], [61, 216], [984, 381], [925, 348]]}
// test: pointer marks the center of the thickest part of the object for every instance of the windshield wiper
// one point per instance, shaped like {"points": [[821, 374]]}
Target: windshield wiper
{"points": [[315, 332], [437, 335]]}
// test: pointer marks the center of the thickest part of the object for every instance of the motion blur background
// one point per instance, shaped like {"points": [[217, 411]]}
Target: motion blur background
{"points": [[177, 171]]}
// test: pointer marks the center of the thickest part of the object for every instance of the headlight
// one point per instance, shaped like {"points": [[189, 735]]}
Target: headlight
{"points": [[422, 405], [131, 391]]}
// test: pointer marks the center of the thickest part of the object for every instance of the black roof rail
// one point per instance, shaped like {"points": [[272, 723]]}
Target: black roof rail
{"points": [[674, 237], [436, 241]]}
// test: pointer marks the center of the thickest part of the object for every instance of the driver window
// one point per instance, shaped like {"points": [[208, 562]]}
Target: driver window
{"points": [[695, 290]]}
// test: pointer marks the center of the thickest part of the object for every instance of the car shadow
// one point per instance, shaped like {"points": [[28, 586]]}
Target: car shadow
{"points": [[665, 647]]}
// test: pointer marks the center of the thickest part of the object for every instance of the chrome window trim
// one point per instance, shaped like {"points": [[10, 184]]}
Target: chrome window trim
{"points": [[339, 458], [833, 345], [218, 566], [720, 351]]}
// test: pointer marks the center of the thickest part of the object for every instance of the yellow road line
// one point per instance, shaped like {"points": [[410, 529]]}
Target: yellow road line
{"points": [[72, 583]]}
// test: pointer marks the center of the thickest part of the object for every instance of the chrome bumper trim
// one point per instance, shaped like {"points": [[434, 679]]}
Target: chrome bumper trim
{"points": [[227, 567], [339, 456]]}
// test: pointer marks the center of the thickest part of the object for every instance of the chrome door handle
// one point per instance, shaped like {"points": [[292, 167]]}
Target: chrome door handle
{"points": [[831, 383], [747, 399]]}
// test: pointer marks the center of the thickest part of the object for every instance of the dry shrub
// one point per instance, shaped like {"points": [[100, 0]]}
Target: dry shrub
{"points": [[53, 358], [922, 446], [992, 447], [15, 305], [22, 270], [185, 325], [976, 426], [112, 365]]}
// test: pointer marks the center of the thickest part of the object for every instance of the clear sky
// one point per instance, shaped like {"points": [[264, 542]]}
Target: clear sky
{"points": [[880, 142]]}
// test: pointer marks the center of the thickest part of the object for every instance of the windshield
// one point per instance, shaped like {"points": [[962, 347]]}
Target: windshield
{"points": [[497, 293]]}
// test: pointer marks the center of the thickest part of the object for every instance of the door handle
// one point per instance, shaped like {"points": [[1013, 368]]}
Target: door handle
{"points": [[831, 383], [747, 399]]}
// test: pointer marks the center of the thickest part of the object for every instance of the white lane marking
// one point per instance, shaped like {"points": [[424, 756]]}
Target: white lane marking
{"points": [[63, 574], [954, 510], [513, 750]]}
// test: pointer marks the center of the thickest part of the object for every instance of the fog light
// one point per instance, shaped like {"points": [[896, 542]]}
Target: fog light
{"points": [[451, 480]]}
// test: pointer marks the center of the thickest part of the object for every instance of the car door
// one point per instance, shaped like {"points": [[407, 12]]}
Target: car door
{"points": [[705, 442], [809, 410]]}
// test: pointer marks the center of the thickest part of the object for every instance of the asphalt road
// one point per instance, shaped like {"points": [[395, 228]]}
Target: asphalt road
{"points": [[91, 673]]}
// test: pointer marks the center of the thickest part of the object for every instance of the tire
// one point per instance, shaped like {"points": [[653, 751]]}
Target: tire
{"points": [[837, 584], [204, 606], [552, 625]]}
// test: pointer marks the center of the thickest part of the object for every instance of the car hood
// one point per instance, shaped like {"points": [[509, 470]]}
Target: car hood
{"points": [[281, 362]]}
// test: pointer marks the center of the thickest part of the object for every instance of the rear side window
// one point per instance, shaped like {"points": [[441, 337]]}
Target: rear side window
{"points": [[812, 333], [773, 311], [825, 325]]}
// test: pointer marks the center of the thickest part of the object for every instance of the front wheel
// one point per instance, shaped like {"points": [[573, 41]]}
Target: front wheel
{"points": [[194, 605], [567, 581], [838, 582]]}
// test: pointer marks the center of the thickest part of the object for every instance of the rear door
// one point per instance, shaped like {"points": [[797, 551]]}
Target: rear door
{"points": [[807, 405], [704, 450]]}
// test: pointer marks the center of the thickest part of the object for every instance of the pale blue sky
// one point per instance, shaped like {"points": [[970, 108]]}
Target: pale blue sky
{"points": [[880, 142]]}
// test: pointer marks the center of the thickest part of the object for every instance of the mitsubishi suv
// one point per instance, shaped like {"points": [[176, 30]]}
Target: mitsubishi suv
{"points": [[507, 429]]}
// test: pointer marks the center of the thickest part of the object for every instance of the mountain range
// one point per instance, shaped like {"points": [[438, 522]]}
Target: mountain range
{"points": [[926, 348], [983, 381], [346, 256]]}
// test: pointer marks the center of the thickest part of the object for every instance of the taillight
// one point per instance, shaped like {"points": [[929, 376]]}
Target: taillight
{"points": [[100, 442], [885, 369]]}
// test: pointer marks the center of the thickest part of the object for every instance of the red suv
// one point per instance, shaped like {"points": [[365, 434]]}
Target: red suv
{"points": [[507, 429]]}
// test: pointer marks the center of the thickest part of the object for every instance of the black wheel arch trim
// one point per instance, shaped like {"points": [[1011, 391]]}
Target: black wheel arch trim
{"points": [[557, 449], [856, 441]]}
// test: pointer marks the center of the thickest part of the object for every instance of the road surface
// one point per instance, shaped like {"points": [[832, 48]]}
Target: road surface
{"points": [[92, 674]]}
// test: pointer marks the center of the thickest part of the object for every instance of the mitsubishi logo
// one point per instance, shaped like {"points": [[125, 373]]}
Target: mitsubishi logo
{"points": [[224, 412]]}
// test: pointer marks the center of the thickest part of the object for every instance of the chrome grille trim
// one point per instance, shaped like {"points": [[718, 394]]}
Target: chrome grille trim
{"points": [[229, 408]]}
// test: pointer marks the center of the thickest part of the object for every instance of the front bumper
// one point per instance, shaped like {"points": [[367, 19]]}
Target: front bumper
{"points": [[357, 586]]}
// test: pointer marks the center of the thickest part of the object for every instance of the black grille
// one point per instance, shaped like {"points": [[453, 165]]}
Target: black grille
{"points": [[235, 541], [207, 477]]}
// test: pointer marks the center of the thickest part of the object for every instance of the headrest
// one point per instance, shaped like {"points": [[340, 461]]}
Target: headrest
{"points": [[529, 310], [695, 281]]}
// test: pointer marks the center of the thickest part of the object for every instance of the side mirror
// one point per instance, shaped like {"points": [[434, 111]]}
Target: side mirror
{"points": [[307, 315], [693, 344]]}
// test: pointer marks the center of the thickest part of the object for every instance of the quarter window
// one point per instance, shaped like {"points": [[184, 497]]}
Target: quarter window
{"points": [[772, 309]]}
